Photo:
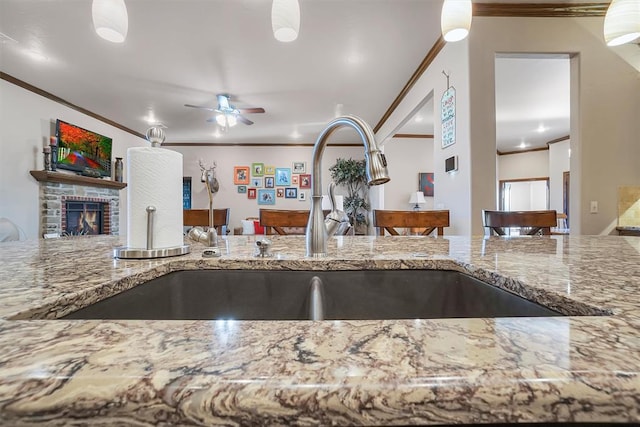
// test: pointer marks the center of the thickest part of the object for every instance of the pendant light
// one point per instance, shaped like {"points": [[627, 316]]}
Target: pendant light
{"points": [[110, 19], [455, 20], [622, 22], [285, 20]]}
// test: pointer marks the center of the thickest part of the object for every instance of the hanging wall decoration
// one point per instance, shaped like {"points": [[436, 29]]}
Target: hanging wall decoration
{"points": [[448, 115]]}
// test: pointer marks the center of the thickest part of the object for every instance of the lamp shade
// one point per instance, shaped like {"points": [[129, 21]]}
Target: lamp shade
{"points": [[110, 19], [455, 20], [285, 20], [622, 22], [417, 198]]}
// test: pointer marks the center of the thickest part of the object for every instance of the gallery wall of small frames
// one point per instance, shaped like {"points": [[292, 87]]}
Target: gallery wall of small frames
{"points": [[266, 183]]}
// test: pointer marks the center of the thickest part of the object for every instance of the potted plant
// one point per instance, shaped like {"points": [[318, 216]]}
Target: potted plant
{"points": [[352, 174]]}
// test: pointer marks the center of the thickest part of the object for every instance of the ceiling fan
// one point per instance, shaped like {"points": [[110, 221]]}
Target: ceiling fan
{"points": [[228, 115]]}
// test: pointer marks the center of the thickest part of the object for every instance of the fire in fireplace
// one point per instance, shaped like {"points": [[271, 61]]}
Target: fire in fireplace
{"points": [[84, 217]]}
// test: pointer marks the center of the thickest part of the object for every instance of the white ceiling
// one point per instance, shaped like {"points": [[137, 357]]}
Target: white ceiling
{"points": [[351, 57]]}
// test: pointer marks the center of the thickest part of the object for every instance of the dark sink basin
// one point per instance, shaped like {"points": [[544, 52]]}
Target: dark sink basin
{"points": [[286, 295]]}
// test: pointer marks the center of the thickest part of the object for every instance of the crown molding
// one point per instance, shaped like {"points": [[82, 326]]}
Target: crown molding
{"points": [[540, 10], [55, 98]]}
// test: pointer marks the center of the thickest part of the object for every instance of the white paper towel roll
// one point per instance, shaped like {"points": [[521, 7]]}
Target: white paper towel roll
{"points": [[154, 179]]}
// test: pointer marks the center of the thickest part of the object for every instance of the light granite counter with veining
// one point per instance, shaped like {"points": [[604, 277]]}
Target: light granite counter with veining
{"points": [[502, 370]]}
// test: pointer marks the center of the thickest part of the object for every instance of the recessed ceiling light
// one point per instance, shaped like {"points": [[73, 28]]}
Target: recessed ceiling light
{"points": [[541, 128], [522, 145], [419, 119], [295, 134]]}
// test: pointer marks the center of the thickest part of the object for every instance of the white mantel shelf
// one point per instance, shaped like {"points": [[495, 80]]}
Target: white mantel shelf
{"points": [[48, 176]]}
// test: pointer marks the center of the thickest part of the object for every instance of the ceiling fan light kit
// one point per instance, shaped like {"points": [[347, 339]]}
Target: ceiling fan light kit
{"points": [[455, 19], [110, 19], [622, 22], [228, 115], [226, 120], [285, 20]]}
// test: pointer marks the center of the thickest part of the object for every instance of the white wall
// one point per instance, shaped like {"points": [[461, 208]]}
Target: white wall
{"points": [[406, 158], [27, 120], [227, 157], [531, 164], [452, 191], [558, 164], [605, 105]]}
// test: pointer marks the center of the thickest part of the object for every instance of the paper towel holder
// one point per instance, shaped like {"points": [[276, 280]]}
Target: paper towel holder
{"points": [[149, 251]]}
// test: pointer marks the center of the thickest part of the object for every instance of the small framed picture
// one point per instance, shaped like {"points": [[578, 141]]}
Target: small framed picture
{"points": [[283, 177], [242, 189], [269, 182], [256, 182], [305, 181], [302, 196], [269, 170], [299, 167], [295, 179], [251, 193], [291, 193], [257, 169], [266, 197], [241, 175], [280, 192]]}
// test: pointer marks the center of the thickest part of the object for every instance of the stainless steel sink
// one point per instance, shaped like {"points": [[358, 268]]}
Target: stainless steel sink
{"points": [[288, 295]]}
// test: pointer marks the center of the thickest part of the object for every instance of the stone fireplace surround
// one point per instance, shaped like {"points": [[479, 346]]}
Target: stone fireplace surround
{"points": [[57, 187]]}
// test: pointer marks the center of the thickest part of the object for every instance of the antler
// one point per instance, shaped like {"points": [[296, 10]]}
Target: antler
{"points": [[204, 168]]}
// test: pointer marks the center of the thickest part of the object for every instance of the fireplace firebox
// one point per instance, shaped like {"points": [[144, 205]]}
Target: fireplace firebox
{"points": [[85, 216]]}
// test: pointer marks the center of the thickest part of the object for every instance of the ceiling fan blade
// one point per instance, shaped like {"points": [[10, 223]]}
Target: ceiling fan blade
{"points": [[244, 120], [251, 110], [212, 119], [197, 106]]}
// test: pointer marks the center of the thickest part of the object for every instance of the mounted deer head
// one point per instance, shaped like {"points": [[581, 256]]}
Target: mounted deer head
{"points": [[208, 176]]}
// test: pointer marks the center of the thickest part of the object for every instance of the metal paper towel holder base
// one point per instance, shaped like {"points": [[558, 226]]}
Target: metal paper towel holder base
{"points": [[149, 251]]}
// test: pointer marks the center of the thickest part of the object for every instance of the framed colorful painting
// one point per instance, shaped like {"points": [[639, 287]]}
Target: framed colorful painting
{"points": [[425, 183], [283, 176], [291, 193], [266, 197], [299, 167], [257, 169], [269, 182], [241, 175], [269, 170], [251, 193], [305, 181]]}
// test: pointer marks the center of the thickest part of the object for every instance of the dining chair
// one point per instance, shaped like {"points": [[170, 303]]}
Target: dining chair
{"points": [[284, 221], [530, 223], [426, 221], [200, 217]]}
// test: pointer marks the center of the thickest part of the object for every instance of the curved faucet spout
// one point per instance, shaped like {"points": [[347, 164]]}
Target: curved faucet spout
{"points": [[376, 164]]}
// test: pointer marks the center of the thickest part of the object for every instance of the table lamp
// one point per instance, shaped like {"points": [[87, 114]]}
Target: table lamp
{"points": [[417, 199]]}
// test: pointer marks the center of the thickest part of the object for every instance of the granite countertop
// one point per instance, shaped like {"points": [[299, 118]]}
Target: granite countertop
{"points": [[580, 368]]}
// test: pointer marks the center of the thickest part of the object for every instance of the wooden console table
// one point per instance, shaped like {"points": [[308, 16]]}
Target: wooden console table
{"points": [[67, 178]]}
